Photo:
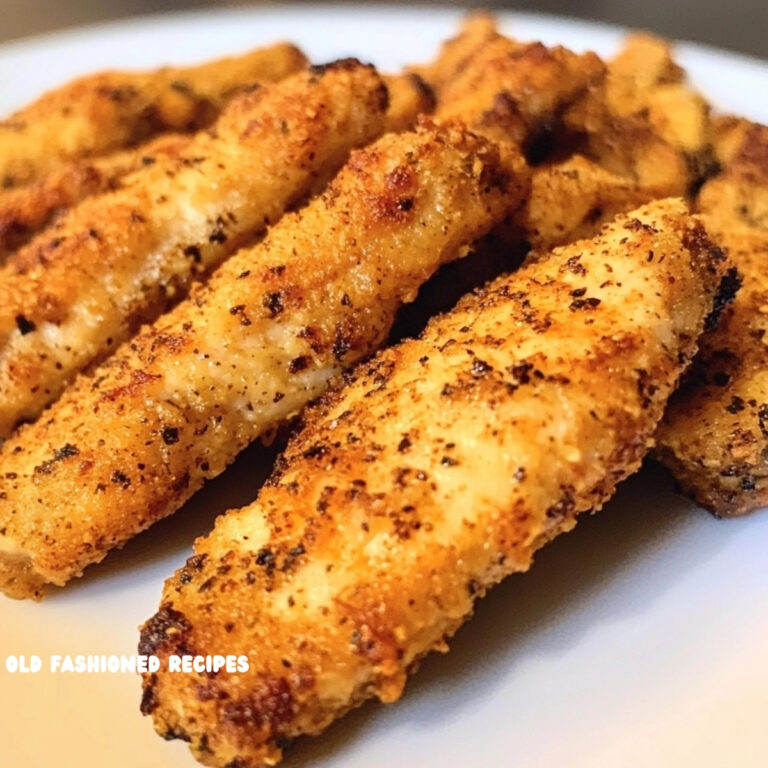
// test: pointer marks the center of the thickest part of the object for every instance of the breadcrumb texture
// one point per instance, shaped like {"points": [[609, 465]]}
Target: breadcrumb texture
{"points": [[518, 89], [131, 442], [26, 210], [440, 467], [121, 259], [101, 113], [714, 436]]}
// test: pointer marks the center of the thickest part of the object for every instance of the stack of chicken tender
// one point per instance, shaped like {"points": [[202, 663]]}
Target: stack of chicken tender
{"points": [[193, 258]]}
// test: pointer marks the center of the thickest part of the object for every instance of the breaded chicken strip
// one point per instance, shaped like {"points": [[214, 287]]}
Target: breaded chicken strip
{"points": [[173, 407], [101, 113], [440, 468], [477, 30], [409, 97], [26, 210], [627, 145], [522, 87], [644, 121], [739, 196], [714, 437], [572, 199], [120, 259], [644, 78]]}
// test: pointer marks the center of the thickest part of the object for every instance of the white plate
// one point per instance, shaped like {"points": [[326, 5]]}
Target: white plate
{"points": [[641, 639]]}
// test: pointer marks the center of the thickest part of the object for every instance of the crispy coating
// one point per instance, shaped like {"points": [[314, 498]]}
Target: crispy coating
{"points": [[518, 88], [101, 113], [440, 468], [572, 199], [643, 121], [714, 436], [130, 443], [644, 78], [627, 145], [409, 97], [738, 197], [120, 259], [477, 30], [26, 210]]}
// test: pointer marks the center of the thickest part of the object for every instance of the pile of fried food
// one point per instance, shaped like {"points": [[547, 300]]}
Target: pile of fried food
{"points": [[194, 257]]}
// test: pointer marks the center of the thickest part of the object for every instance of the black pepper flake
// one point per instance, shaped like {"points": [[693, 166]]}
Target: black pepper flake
{"points": [[447, 461], [341, 345], [24, 325], [170, 435], [521, 372], [65, 452], [748, 483], [273, 302], [266, 559], [584, 304], [404, 444], [736, 405], [194, 253], [120, 478], [318, 450], [300, 363], [480, 367]]}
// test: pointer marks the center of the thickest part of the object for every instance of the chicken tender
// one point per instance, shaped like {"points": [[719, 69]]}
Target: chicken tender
{"points": [[440, 468], [714, 437], [525, 86], [477, 30], [409, 97], [101, 113], [644, 77], [628, 146], [738, 197], [119, 260], [132, 442], [572, 199], [643, 121], [26, 210]]}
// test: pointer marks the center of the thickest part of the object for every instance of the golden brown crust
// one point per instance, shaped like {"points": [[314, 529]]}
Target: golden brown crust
{"points": [[714, 436], [477, 30], [131, 442], [518, 90], [120, 259], [425, 480], [101, 113], [572, 199], [644, 78], [409, 97], [643, 121], [26, 210]]}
